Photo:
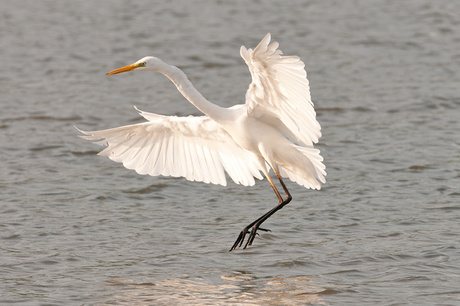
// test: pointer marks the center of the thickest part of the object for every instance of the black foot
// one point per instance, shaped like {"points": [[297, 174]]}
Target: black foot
{"points": [[264, 229], [239, 241]]}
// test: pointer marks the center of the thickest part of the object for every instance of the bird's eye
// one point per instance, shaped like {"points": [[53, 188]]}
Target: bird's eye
{"points": [[142, 64]]}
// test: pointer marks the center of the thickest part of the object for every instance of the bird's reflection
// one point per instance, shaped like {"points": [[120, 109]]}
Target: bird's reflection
{"points": [[236, 288]]}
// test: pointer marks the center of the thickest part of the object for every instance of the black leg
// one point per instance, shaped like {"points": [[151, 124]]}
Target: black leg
{"points": [[255, 225], [262, 219], [239, 241]]}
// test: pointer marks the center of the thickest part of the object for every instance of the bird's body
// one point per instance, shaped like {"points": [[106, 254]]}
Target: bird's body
{"points": [[275, 128]]}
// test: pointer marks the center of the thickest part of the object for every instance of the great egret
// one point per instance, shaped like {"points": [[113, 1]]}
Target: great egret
{"points": [[275, 128]]}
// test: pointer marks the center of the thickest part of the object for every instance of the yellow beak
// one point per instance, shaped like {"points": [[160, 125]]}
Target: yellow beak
{"points": [[123, 69]]}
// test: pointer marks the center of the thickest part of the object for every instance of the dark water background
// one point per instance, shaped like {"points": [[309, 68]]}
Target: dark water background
{"points": [[79, 229]]}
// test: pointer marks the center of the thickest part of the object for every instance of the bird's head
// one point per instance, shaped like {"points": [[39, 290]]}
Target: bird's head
{"points": [[146, 63]]}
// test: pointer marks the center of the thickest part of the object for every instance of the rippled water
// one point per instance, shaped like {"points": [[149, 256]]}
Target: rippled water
{"points": [[80, 229]]}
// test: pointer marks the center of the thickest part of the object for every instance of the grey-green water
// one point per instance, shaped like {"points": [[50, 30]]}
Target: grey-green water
{"points": [[79, 229]]}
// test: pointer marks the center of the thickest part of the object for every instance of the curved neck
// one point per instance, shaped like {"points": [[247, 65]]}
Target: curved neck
{"points": [[186, 88]]}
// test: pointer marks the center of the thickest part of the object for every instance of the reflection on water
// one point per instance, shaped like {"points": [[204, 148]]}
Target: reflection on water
{"points": [[237, 288]]}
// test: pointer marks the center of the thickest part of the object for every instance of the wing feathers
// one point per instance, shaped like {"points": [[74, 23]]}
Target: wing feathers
{"points": [[196, 148], [280, 87]]}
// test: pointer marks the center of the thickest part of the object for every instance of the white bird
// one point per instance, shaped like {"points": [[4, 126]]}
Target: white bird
{"points": [[275, 128]]}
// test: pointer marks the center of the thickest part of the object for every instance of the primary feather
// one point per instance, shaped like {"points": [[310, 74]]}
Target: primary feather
{"points": [[196, 148], [280, 93]]}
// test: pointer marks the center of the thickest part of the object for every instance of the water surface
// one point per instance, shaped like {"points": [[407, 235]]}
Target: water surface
{"points": [[80, 229]]}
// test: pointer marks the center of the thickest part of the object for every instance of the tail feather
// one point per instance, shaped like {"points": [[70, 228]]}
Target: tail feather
{"points": [[311, 172]]}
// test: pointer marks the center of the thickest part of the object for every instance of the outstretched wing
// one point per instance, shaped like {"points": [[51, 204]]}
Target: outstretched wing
{"points": [[279, 93], [196, 148]]}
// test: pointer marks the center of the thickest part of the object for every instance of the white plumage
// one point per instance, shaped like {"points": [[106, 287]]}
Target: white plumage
{"points": [[276, 128], [196, 148]]}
